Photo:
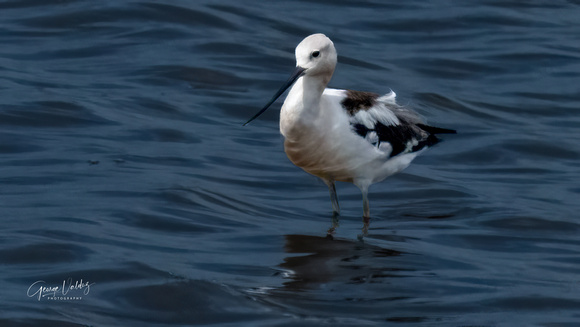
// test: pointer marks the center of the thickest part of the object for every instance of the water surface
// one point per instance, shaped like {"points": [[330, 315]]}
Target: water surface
{"points": [[127, 174]]}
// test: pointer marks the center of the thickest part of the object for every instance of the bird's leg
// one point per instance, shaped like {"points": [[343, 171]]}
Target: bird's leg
{"points": [[366, 206], [333, 198], [335, 208], [332, 229], [365, 229], [363, 185], [366, 211]]}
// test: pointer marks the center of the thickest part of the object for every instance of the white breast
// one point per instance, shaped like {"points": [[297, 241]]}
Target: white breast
{"points": [[324, 144]]}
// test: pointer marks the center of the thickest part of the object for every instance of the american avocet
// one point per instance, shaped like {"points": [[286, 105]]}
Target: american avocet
{"points": [[344, 135]]}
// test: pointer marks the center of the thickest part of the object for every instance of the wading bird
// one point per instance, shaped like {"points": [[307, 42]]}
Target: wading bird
{"points": [[344, 135]]}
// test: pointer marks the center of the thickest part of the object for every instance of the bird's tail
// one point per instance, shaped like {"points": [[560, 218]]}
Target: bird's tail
{"points": [[436, 130]]}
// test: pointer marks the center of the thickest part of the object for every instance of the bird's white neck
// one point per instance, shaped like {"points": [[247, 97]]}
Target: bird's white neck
{"points": [[302, 105]]}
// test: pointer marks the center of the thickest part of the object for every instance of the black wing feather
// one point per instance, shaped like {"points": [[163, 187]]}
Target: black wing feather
{"points": [[436, 130], [399, 136], [408, 135]]}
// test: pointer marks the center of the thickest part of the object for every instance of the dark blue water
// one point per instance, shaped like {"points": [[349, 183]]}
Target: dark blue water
{"points": [[125, 172]]}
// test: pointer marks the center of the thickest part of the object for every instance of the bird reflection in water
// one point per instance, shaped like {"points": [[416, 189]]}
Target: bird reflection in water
{"points": [[333, 260]]}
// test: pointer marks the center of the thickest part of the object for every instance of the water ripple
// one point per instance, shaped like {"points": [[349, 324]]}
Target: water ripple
{"points": [[124, 163]]}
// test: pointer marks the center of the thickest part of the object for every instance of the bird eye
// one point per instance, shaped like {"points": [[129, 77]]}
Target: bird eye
{"points": [[315, 54]]}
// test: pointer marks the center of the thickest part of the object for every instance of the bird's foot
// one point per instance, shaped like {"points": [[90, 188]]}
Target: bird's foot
{"points": [[365, 229], [334, 226]]}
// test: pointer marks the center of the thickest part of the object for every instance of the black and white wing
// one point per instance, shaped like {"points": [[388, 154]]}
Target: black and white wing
{"points": [[393, 129]]}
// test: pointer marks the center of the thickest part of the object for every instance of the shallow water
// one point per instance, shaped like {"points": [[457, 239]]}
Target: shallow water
{"points": [[126, 171]]}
